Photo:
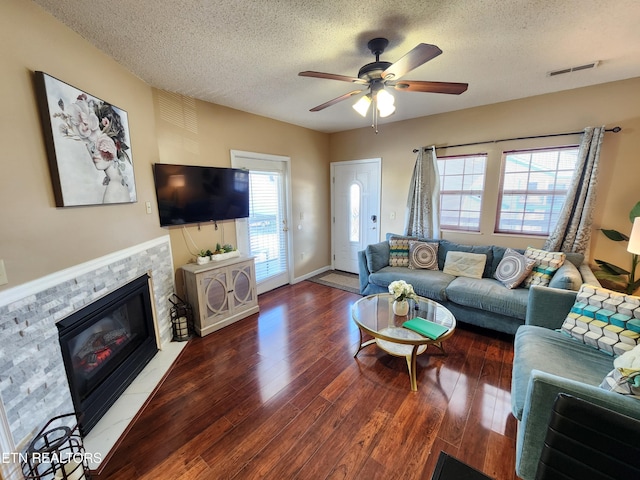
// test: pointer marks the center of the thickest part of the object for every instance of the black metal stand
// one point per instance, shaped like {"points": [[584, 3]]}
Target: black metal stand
{"points": [[57, 452], [181, 319]]}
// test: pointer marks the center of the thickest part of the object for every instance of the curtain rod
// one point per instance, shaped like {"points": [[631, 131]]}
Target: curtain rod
{"points": [[614, 130]]}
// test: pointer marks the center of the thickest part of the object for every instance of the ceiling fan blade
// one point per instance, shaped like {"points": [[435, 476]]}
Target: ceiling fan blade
{"points": [[416, 57], [332, 76], [431, 87], [335, 100]]}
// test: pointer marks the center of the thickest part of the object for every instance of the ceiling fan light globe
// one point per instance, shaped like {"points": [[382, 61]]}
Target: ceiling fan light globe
{"points": [[384, 99], [362, 105], [386, 110]]}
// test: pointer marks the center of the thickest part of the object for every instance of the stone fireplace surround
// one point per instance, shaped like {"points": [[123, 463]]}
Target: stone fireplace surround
{"points": [[33, 383]]}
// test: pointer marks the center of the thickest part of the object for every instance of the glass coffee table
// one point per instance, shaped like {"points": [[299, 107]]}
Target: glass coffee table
{"points": [[374, 316]]}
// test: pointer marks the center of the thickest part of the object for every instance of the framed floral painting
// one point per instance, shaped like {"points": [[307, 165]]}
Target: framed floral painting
{"points": [[88, 145]]}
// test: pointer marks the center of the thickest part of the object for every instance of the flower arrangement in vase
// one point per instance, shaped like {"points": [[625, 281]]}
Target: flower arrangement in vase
{"points": [[401, 292]]}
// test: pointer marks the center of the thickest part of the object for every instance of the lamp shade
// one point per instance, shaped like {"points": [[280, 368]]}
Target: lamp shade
{"points": [[385, 103], [385, 111], [634, 238], [362, 105], [384, 99]]}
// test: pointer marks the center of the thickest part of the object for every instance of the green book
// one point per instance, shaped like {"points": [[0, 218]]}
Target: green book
{"points": [[426, 327]]}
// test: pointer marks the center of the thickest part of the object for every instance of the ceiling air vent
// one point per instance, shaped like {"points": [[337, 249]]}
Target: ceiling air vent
{"points": [[586, 66]]}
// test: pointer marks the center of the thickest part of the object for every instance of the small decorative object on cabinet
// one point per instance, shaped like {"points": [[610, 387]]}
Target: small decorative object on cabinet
{"points": [[221, 293]]}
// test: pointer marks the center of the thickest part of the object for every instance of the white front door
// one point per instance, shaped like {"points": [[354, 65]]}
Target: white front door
{"points": [[355, 210], [265, 234]]}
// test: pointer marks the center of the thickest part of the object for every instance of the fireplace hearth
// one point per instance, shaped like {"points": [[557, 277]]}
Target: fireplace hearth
{"points": [[105, 345]]}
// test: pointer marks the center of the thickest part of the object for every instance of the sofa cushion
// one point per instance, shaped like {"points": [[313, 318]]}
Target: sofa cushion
{"points": [[513, 268], [489, 295], [446, 246], [546, 265], [377, 255], [604, 319], [465, 264], [423, 255], [426, 283], [550, 351], [567, 277]]}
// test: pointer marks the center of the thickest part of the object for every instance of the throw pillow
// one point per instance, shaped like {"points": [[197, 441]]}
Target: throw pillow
{"points": [[625, 377], [423, 255], [399, 251], [546, 265], [604, 319], [567, 277], [464, 264], [513, 268], [446, 246]]}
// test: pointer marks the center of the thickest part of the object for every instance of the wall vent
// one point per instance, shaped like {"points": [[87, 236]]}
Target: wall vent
{"points": [[586, 66]]}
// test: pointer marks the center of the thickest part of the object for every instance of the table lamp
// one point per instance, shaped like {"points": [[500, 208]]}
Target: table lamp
{"points": [[634, 238]]}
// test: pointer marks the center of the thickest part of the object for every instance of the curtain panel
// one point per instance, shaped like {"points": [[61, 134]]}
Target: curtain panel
{"points": [[423, 203], [573, 230]]}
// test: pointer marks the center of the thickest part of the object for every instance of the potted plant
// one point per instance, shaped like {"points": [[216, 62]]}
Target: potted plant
{"points": [[204, 256], [224, 252], [623, 280], [401, 291]]}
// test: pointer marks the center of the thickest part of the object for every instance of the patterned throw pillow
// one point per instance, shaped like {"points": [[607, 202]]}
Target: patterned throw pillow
{"points": [[604, 319], [546, 265], [399, 251], [465, 264], [625, 376], [423, 255], [513, 268]]}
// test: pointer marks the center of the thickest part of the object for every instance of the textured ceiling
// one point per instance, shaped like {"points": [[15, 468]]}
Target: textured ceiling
{"points": [[246, 54]]}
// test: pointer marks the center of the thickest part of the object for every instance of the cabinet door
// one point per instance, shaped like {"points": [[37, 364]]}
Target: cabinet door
{"points": [[244, 292], [214, 288]]}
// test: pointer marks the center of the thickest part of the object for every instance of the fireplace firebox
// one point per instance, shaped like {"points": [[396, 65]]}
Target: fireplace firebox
{"points": [[105, 345]]}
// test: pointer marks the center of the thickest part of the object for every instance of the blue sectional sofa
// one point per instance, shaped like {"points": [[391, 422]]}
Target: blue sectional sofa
{"points": [[484, 302], [548, 362]]}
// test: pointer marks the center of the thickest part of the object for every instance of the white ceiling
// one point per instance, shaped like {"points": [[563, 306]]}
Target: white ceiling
{"points": [[246, 54]]}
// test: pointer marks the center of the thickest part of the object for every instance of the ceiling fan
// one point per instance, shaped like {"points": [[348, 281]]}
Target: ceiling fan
{"points": [[379, 74]]}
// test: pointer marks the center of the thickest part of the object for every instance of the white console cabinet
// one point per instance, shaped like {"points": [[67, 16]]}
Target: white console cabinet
{"points": [[221, 293]]}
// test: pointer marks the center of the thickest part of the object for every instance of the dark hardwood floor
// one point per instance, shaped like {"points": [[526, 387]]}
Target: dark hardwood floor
{"points": [[279, 395]]}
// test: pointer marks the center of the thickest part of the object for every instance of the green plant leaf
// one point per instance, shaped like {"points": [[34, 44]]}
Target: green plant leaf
{"points": [[635, 212], [611, 268], [615, 235]]}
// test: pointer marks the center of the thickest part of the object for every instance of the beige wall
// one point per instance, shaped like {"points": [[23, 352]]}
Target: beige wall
{"points": [[199, 133], [37, 238], [608, 104]]}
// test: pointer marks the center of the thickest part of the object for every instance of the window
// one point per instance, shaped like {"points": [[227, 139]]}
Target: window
{"points": [[461, 187], [534, 187], [354, 213], [267, 241]]}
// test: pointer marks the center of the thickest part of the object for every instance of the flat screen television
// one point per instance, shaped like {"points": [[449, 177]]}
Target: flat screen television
{"points": [[191, 194]]}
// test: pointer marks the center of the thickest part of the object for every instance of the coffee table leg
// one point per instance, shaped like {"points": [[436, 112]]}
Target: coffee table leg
{"points": [[440, 346], [362, 345], [411, 363]]}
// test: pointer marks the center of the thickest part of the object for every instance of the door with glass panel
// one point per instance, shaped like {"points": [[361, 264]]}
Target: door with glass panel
{"points": [[355, 209], [265, 234]]}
